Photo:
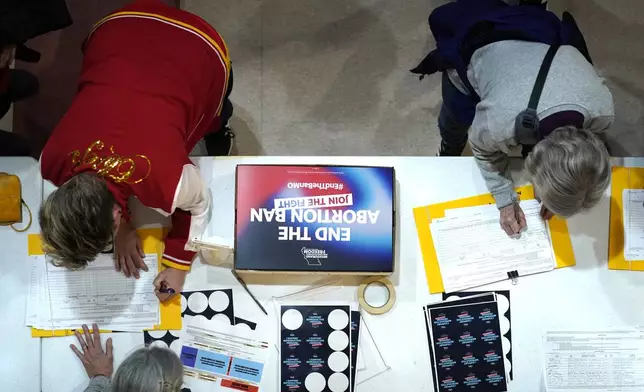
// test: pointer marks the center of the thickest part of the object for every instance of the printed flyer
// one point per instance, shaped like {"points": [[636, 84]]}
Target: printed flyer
{"points": [[218, 357], [314, 218]]}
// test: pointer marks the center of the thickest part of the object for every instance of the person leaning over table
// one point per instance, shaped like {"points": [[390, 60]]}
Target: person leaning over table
{"points": [[154, 81], [490, 54], [149, 369]]}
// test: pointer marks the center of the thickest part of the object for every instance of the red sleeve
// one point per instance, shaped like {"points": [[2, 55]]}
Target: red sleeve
{"points": [[175, 255]]}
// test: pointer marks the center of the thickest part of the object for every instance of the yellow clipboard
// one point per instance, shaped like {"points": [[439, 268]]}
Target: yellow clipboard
{"points": [[622, 178], [559, 235], [152, 242]]}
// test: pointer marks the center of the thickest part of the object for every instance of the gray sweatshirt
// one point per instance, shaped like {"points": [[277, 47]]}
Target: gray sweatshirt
{"points": [[503, 75], [99, 384]]}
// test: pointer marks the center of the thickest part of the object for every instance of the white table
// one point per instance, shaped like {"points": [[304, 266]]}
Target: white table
{"points": [[19, 353], [587, 296]]}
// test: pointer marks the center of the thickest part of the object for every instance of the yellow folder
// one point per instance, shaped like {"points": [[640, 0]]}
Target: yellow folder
{"points": [[152, 242], [564, 255], [622, 178]]}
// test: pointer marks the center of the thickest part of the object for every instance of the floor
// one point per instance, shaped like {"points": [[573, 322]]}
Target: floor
{"points": [[328, 77], [331, 77]]}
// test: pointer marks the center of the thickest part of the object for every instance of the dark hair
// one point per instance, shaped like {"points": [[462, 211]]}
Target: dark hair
{"points": [[77, 221]]}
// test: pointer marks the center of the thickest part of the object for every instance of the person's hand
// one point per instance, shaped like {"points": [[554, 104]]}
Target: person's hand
{"points": [[169, 282], [513, 220], [7, 55], [96, 361], [128, 253], [545, 213]]}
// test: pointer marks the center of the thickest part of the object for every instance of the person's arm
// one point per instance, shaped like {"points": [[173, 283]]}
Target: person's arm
{"points": [[190, 217], [98, 364], [98, 384], [493, 165]]}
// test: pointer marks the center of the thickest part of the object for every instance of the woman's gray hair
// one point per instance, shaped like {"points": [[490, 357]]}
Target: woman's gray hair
{"points": [[570, 170], [149, 369], [77, 221]]}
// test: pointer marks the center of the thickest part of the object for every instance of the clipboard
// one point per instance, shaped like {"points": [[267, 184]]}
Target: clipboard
{"points": [[559, 235], [622, 178], [151, 240]]}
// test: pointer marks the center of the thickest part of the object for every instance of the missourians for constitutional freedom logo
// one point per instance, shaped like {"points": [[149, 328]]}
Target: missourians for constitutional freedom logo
{"points": [[313, 256]]}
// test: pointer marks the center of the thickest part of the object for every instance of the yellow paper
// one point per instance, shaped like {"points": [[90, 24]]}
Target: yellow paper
{"points": [[622, 178], [559, 235], [152, 242]]}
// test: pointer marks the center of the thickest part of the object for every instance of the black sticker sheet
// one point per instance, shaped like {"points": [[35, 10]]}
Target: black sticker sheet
{"points": [[315, 350], [241, 322], [468, 354], [210, 304], [355, 338], [486, 297], [505, 320]]}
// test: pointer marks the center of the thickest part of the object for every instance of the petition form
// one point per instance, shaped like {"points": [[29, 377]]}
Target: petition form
{"points": [[64, 299], [611, 361], [633, 205], [473, 250]]}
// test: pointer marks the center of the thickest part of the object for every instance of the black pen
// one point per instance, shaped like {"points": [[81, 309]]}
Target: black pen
{"points": [[241, 282]]}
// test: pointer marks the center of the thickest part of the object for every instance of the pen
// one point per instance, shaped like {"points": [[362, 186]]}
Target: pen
{"points": [[241, 282], [164, 289]]}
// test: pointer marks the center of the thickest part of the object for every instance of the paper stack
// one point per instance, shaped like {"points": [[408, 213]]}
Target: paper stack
{"points": [[472, 249], [64, 299], [466, 345]]}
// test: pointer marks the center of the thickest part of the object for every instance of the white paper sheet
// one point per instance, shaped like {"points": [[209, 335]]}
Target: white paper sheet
{"points": [[97, 293], [473, 250], [611, 361], [633, 202], [489, 209], [217, 356]]}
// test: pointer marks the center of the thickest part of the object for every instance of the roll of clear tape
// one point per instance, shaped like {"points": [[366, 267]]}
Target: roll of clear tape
{"points": [[372, 309]]}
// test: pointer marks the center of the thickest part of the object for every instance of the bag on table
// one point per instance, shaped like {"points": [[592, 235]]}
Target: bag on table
{"points": [[11, 202]]}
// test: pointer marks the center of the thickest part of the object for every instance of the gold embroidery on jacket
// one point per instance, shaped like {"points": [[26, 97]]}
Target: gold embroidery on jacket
{"points": [[114, 166]]}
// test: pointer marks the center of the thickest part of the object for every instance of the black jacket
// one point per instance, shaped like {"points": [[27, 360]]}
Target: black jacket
{"points": [[21, 20]]}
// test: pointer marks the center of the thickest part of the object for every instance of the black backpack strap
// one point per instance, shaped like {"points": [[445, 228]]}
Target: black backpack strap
{"points": [[542, 76], [526, 125]]}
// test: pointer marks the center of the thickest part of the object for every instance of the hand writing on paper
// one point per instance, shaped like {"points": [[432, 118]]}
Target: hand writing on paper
{"points": [[128, 252], [513, 220], [96, 361], [545, 213], [169, 282]]}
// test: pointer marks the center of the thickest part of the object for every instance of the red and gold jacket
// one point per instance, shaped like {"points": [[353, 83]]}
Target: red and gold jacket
{"points": [[152, 85]]}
